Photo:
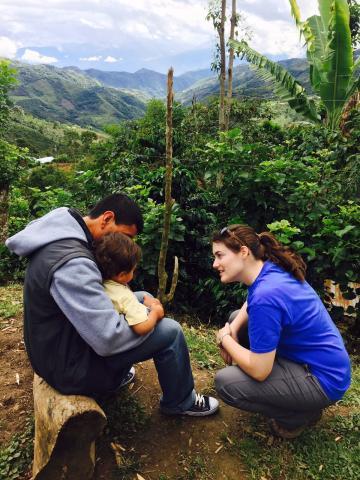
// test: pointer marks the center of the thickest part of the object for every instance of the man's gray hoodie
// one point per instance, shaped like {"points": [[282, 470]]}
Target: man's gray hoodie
{"points": [[77, 287]]}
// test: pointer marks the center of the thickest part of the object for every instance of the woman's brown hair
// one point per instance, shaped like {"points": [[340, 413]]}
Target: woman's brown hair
{"points": [[116, 253], [264, 246]]}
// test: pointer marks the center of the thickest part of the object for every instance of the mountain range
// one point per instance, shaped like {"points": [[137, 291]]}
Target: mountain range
{"points": [[94, 98]]}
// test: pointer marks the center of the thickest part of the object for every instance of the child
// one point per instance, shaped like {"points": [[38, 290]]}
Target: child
{"points": [[117, 256]]}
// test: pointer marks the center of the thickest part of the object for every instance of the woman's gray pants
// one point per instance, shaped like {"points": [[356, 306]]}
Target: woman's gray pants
{"points": [[290, 394]]}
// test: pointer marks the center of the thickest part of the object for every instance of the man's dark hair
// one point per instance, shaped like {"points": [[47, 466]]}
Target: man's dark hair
{"points": [[126, 211], [116, 253]]}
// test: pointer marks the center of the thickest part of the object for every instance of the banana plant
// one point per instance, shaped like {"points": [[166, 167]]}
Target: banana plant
{"points": [[333, 72]]}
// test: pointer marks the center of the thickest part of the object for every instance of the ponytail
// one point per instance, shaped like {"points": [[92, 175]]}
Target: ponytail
{"points": [[263, 246], [283, 256]]}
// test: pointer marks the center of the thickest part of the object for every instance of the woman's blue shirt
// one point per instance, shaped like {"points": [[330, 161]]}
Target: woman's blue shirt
{"points": [[288, 316]]}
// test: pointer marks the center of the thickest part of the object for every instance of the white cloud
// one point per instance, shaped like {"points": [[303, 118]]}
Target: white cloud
{"points": [[91, 59], [8, 47], [96, 25], [110, 59], [275, 38], [33, 56], [141, 29]]}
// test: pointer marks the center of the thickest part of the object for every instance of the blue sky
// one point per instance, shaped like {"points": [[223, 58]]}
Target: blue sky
{"points": [[126, 35]]}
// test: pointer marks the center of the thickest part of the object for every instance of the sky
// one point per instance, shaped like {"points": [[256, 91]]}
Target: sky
{"points": [[127, 35]]}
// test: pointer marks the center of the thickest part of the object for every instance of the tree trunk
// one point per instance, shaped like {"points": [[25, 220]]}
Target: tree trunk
{"points": [[66, 427], [162, 275], [221, 32], [4, 212], [231, 63]]}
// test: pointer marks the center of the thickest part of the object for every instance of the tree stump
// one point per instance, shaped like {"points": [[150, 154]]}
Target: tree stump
{"points": [[66, 427]]}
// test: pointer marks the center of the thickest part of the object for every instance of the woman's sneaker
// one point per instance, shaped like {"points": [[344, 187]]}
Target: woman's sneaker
{"points": [[203, 405]]}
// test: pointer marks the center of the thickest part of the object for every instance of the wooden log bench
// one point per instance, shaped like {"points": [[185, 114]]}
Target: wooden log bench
{"points": [[66, 427]]}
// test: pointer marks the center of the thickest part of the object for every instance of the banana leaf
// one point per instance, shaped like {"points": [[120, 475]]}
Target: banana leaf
{"points": [[287, 87], [325, 13], [337, 66], [302, 26], [316, 48]]}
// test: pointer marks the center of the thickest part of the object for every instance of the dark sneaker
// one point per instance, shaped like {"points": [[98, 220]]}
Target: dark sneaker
{"points": [[203, 406], [282, 432], [129, 377], [316, 418]]}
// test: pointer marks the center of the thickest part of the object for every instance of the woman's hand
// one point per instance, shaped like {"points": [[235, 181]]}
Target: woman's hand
{"points": [[222, 333], [226, 356]]}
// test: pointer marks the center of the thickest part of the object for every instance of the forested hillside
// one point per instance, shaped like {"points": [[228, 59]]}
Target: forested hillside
{"points": [[246, 82], [147, 81], [94, 98], [69, 96]]}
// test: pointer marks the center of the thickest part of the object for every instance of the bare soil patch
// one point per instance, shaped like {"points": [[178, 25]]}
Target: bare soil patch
{"points": [[167, 447]]}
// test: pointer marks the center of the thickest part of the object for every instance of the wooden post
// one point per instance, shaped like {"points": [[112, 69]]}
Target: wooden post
{"points": [[66, 427], [162, 275]]}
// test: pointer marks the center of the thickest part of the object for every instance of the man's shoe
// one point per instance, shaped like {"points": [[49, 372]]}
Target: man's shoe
{"points": [[316, 418], [282, 432], [203, 406], [129, 377]]}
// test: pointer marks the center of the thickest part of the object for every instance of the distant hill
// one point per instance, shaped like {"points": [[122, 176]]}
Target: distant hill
{"points": [[93, 98], [41, 137], [70, 96], [246, 82], [148, 81]]}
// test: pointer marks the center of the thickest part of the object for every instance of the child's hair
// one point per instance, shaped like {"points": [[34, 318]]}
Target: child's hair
{"points": [[116, 253], [263, 246]]}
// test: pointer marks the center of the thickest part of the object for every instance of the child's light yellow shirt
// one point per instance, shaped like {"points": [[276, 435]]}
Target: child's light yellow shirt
{"points": [[126, 303]]}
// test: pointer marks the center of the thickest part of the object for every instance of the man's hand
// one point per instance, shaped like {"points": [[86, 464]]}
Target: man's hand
{"points": [[159, 309], [149, 301]]}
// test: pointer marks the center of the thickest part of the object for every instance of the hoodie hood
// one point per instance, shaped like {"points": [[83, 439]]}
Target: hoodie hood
{"points": [[55, 225]]}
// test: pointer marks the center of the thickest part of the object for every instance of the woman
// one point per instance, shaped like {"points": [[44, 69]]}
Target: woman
{"points": [[290, 359]]}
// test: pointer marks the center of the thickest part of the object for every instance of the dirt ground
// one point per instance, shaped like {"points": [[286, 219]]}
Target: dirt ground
{"points": [[174, 447]]}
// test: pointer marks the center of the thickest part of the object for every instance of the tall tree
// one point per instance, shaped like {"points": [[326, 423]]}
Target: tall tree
{"points": [[233, 22], [217, 13]]}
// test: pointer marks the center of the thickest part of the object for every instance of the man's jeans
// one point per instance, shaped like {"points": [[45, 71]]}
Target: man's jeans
{"points": [[290, 394], [167, 346]]}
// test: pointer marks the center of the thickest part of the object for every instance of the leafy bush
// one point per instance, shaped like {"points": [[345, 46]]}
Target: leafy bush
{"points": [[292, 181]]}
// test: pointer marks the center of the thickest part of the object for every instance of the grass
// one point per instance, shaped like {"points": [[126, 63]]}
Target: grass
{"points": [[329, 451], [202, 346], [10, 303], [16, 456], [125, 417]]}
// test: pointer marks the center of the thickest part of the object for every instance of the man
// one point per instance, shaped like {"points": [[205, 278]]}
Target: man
{"points": [[75, 339]]}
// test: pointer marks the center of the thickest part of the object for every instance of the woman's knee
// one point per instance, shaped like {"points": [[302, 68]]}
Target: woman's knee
{"points": [[233, 385]]}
